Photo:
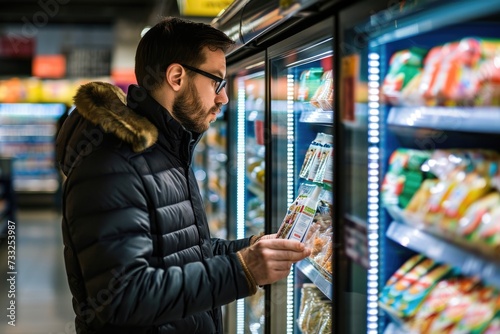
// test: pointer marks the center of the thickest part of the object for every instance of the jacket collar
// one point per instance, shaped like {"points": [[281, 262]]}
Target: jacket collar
{"points": [[172, 134]]}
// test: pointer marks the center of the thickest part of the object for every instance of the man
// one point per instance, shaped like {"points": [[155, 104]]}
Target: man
{"points": [[138, 252]]}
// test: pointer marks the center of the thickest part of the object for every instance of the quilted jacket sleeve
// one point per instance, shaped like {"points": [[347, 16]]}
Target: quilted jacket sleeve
{"points": [[223, 247], [106, 222]]}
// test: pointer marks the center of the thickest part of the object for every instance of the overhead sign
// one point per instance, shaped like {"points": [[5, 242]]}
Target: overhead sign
{"points": [[209, 8], [49, 66]]}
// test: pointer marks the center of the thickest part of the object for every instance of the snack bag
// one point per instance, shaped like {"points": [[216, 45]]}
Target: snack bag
{"points": [[488, 232], [460, 197], [472, 217], [460, 81], [405, 268], [488, 74], [403, 66], [391, 294], [404, 176], [438, 299], [434, 92], [410, 95], [418, 202], [477, 318], [413, 297], [454, 311], [439, 192]]}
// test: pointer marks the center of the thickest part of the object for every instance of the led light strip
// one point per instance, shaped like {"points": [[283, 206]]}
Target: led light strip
{"points": [[240, 189], [373, 191], [290, 150]]}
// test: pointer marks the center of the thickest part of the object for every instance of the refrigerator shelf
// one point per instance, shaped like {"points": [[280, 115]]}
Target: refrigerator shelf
{"points": [[316, 277], [425, 21], [316, 116], [393, 328], [396, 325], [443, 251], [464, 119]]}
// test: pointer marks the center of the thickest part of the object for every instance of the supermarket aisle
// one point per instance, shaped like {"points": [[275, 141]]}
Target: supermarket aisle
{"points": [[43, 302]]}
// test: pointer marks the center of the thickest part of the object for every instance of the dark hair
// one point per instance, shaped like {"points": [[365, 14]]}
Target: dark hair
{"points": [[174, 40]]}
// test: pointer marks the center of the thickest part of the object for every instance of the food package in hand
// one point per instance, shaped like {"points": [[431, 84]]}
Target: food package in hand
{"points": [[300, 215]]}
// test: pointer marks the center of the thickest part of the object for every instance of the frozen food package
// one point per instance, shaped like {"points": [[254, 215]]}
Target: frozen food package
{"points": [[322, 169], [403, 66], [391, 294], [323, 96], [319, 235], [326, 97], [326, 327], [472, 188], [434, 92], [413, 297], [404, 176], [410, 95], [468, 224], [488, 231], [459, 82], [477, 318], [313, 150], [453, 312], [309, 82], [308, 290], [438, 299], [488, 73], [431, 67], [405, 268], [418, 202], [300, 214], [291, 214], [311, 304]]}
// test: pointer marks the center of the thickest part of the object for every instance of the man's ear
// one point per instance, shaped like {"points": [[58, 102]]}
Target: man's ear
{"points": [[175, 76]]}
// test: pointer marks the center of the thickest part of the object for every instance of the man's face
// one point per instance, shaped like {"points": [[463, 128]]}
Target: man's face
{"points": [[197, 105]]}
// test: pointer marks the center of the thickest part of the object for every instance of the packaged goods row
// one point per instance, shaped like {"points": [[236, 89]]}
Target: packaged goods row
{"points": [[464, 72], [427, 297]]}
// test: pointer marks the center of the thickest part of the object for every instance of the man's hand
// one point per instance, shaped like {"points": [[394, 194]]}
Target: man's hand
{"points": [[270, 259]]}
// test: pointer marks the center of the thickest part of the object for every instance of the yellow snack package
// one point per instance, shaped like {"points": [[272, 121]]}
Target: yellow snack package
{"points": [[468, 224], [488, 232]]}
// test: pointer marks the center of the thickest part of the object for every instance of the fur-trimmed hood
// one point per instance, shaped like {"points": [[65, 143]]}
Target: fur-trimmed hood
{"points": [[104, 104], [101, 109]]}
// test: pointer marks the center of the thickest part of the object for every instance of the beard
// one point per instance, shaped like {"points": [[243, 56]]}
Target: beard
{"points": [[188, 110]]}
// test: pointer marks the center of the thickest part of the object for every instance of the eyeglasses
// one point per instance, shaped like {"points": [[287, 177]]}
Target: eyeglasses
{"points": [[221, 83]]}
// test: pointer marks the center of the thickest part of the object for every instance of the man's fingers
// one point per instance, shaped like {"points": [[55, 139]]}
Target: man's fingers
{"points": [[283, 244]]}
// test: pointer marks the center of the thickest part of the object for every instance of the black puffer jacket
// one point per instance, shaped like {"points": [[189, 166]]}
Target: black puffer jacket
{"points": [[137, 249]]}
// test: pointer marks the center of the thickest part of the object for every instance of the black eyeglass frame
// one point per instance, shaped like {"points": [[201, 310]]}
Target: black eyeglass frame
{"points": [[221, 82]]}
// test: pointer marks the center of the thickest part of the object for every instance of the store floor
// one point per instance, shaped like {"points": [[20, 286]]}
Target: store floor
{"points": [[43, 302]]}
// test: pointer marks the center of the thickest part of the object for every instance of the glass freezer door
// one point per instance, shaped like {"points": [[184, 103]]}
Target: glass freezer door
{"points": [[247, 173], [301, 133]]}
